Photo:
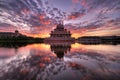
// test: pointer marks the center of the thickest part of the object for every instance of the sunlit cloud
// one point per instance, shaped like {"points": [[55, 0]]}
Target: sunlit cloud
{"points": [[82, 17]]}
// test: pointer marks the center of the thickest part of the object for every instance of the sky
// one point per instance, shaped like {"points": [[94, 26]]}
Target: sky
{"points": [[37, 18]]}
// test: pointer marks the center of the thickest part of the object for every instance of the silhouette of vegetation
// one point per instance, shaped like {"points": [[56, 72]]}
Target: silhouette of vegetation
{"points": [[18, 41], [99, 40]]}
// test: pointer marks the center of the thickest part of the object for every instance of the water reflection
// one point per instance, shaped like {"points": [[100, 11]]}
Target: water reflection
{"points": [[60, 49], [60, 61]]}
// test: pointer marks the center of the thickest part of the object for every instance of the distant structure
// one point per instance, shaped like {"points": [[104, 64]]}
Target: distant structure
{"points": [[99, 39], [89, 40], [10, 34], [59, 34]]}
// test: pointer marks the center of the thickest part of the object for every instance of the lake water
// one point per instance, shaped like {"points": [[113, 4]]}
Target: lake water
{"points": [[60, 62]]}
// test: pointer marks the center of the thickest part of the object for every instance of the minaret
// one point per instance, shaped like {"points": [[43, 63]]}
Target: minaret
{"points": [[61, 22]]}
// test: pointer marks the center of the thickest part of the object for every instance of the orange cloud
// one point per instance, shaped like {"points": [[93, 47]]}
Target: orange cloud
{"points": [[41, 17], [46, 22], [75, 15], [71, 17], [41, 35], [102, 31], [43, 20], [40, 31]]}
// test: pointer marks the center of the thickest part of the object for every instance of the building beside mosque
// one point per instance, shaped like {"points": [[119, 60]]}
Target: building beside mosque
{"points": [[10, 34], [60, 34]]}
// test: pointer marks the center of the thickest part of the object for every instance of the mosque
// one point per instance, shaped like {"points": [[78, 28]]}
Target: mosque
{"points": [[60, 34]]}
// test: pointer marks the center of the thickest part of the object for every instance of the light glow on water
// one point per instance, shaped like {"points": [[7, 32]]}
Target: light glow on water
{"points": [[76, 61]]}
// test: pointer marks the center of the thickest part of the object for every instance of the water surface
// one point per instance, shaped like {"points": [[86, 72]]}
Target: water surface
{"points": [[62, 61]]}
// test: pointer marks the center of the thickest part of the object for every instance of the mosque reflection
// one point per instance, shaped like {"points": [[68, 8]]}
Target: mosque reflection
{"points": [[60, 48], [60, 61]]}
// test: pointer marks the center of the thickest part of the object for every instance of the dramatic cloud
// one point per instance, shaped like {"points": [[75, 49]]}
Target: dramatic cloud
{"points": [[83, 17], [75, 15]]}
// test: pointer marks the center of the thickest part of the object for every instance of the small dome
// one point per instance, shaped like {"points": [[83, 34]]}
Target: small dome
{"points": [[60, 26], [16, 31]]}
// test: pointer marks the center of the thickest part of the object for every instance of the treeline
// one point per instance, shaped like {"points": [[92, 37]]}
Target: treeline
{"points": [[17, 41], [99, 39]]}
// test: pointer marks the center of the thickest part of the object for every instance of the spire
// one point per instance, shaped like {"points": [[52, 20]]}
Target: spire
{"points": [[60, 26], [61, 22]]}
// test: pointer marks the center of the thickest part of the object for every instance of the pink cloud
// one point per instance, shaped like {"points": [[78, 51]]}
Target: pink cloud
{"points": [[75, 1]]}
